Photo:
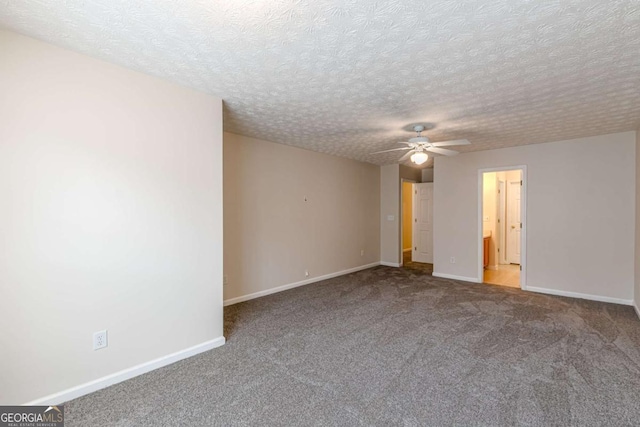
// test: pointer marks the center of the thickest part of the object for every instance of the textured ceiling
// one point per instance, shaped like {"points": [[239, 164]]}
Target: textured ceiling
{"points": [[345, 77]]}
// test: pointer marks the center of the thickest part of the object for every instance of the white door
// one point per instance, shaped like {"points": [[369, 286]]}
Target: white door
{"points": [[423, 223], [514, 225], [502, 222]]}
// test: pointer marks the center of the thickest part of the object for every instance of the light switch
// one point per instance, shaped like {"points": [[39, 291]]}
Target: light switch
{"points": [[391, 217]]}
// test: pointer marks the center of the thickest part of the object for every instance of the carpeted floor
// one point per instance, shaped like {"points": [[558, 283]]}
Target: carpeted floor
{"points": [[418, 267], [389, 346]]}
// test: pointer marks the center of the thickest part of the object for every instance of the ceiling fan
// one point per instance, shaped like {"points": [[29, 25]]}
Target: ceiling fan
{"points": [[419, 145]]}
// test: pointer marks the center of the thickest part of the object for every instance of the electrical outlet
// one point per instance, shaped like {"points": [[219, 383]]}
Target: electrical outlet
{"points": [[361, 252], [306, 273], [452, 260], [100, 340]]}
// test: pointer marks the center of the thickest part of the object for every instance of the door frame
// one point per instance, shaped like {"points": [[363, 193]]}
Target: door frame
{"points": [[523, 218], [402, 181]]}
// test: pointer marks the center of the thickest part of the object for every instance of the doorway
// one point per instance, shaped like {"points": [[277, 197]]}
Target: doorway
{"points": [[407, 222], [502, 226], [416, 232]]}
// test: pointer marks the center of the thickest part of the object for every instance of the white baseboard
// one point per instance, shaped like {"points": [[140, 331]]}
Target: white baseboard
{"points": [[451, 276], [126, 374], [492, 267], [277, 289], [580, 295], [635, 305], [390, 264]]}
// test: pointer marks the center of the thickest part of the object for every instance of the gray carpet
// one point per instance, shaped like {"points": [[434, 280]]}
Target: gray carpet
{"points": [[418, 267], [390, 346]]}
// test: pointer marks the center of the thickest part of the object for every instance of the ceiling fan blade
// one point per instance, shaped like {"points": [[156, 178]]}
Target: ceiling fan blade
{"points": [[452, 142], [405, 142], [442, 151], [406, 156], [393, 149]]}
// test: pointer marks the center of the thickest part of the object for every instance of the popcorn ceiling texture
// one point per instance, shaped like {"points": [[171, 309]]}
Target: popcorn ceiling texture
{"points": [[345, 77]]}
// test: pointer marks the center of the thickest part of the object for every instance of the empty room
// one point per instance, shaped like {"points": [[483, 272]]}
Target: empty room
{"points": [[285, 212]]}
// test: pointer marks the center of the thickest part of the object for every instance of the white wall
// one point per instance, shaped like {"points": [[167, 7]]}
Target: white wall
{"points": [[272, 235], [578, 221], [110, 218]]}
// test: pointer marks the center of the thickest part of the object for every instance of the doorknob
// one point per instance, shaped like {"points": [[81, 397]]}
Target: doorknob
{"points": [[513, 226]]}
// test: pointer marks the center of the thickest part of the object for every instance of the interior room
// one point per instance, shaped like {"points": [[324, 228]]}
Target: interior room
{"points": [[320, 213]]}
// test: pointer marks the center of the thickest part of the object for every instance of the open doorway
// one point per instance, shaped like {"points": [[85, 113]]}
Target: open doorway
{"points": [[416, 232], [502, 226], [407, 221]]}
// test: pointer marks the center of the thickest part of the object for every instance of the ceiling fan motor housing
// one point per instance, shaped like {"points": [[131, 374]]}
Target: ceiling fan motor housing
{"points": [[420, 139]]}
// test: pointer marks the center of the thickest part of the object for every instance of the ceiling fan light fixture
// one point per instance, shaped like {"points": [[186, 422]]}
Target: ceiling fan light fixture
{"points": [[419, 158], [419, 139], [417, 147]]}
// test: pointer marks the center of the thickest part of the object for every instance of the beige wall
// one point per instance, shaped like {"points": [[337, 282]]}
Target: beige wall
{"points": [[409, 173], [637, 234], [272, 235], [578, 221], [390, 214], [407, 214], [110, 217], [427, 175]]}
